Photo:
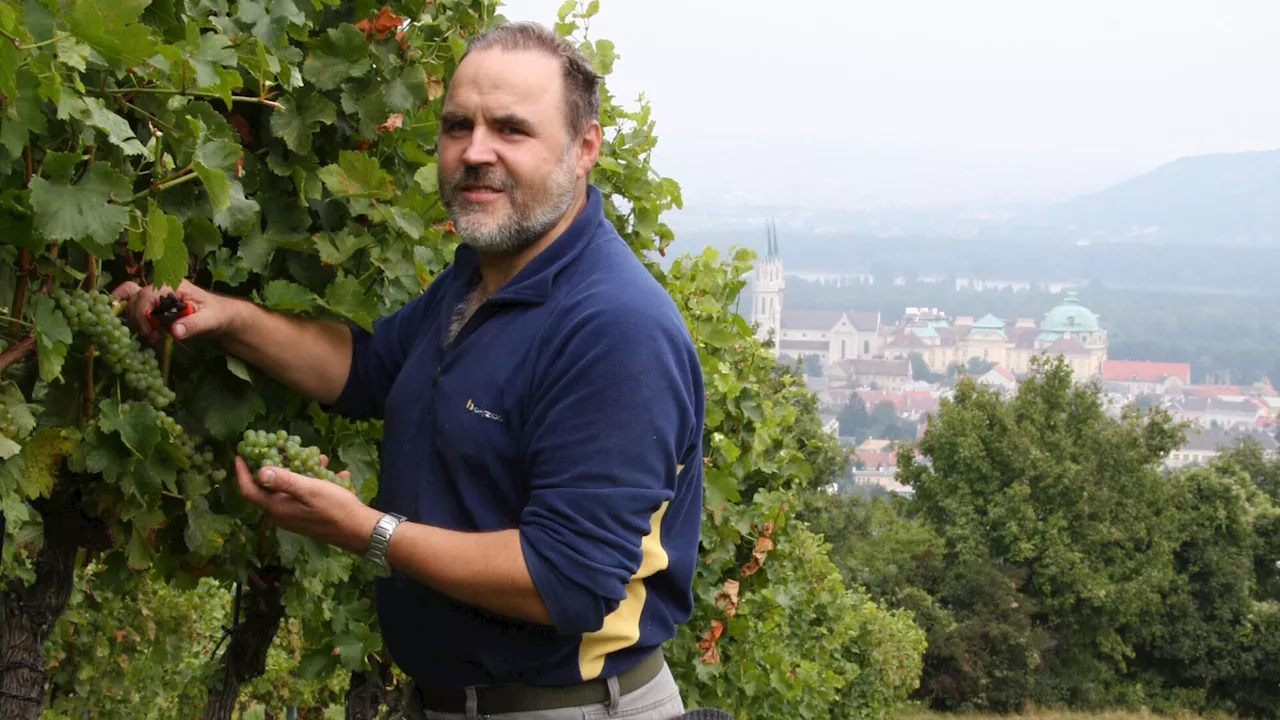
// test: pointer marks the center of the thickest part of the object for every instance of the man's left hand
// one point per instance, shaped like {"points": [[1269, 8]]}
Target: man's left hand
{"points": [[309, 506]]}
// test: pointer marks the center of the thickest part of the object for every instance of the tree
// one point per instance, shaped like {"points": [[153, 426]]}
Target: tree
{"points": [[920, 370], [813, 366], [978, 367], [1069, 501], [766, 593], [853, 417]]}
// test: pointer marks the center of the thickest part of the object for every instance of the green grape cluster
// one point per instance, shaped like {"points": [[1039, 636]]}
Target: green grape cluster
{"points": [[8, 427], [92, 313], [260, 448]]}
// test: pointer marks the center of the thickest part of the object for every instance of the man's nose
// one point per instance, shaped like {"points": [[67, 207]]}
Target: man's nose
{"points": [[480, 148]]}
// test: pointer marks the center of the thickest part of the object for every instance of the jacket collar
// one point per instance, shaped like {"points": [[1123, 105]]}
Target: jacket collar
{"points": [[532, 284]]}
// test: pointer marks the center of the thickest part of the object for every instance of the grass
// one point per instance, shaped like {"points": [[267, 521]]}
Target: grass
{"points": [[915, 713]]}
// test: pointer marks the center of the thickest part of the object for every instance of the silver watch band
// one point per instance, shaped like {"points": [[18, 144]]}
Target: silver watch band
{"points": [[380, 538]]}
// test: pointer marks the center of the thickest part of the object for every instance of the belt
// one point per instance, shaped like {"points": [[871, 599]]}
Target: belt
{"points": [[516, 698]]}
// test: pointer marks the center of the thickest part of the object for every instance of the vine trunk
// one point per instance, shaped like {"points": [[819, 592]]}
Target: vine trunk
{"points": [[28, 612], [261, 610]]}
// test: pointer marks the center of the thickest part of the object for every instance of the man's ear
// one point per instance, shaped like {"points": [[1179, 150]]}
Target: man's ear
{"points": [[589, 143]]}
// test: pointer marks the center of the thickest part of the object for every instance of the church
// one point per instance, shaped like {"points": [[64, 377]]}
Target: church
{"points": [[1070, 330]]}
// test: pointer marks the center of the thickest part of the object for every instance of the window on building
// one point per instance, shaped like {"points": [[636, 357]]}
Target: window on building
{"points": [[842, 350], [866, 347]]}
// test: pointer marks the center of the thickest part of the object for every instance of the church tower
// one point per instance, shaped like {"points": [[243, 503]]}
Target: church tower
{"points": [[766, 313]]}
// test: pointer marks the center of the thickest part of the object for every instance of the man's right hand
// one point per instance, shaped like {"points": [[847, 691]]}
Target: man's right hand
{"points": [[310, 356], [210, 313]]}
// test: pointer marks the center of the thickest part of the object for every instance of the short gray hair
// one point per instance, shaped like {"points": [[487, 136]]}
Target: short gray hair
{"points": [[581, 83]]}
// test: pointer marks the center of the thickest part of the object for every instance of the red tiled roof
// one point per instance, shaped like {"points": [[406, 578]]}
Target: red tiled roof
{"points": [[1143, 371], [1207, 391]]}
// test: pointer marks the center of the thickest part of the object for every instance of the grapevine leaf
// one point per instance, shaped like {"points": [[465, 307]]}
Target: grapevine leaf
{"points": [[157, 230], [361, 460], [269, 18], [101, 456], [8, 448], [52, 356], [40, 456], [428, 178], [317, 664], [568, 6], [241, 215], [110, 28], [53, 335], [357, 175], [20, 413], [342, 53], [18, 229], [239, 369], [287, 296], [172, 267], [346, 297], [50, 322], [227, 406], [73, 53], [58, 166], [256, 251], [213, 52], [138, 425], [341, 247], [226, 268], [604, 57], [29, 116], [213, 161], [408, 90], [350, 651], [138, 552], [116, 127], [202, 237], [82, 212], [217, 184], [206, 531], [10, 478], [9, 59], [298, 118]]}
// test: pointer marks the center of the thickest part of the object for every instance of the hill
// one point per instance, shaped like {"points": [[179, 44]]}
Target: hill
{"points": [[1221, 198]]}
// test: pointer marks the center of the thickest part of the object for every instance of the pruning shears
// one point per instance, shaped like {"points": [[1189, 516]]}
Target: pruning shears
{"points": [[168, 309]]}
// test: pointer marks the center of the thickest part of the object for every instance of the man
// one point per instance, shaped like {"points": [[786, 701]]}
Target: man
{"points": [[543, 409]]}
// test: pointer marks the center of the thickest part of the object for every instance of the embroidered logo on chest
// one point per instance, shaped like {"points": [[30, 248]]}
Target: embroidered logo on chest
{"points": [[482, 412]]}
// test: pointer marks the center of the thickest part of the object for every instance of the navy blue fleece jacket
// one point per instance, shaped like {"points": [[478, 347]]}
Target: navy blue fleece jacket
{"points": [[570, 407]]}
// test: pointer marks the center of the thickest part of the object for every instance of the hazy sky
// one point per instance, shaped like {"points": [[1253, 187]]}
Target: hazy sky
{"points": [[849, 104]]}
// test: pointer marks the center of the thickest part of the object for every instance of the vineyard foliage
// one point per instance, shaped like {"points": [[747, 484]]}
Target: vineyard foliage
{"points": [[282, 151]]}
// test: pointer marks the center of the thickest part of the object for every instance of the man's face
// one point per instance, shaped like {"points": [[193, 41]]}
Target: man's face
{"points": [[507, 168]]}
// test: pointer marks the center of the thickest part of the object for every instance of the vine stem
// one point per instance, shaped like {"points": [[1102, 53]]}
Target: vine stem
{"points": [[20, 350], [163, 186], [19, 292], [90, 402], [50, 41], [165, 358], [194, 93]]}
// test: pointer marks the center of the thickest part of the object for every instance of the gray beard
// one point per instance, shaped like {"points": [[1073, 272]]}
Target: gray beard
{"points": [[526, 226]]}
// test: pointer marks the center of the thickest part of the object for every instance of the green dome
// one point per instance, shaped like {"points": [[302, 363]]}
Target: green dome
{"points": [[1071, 317], [989, 322]]}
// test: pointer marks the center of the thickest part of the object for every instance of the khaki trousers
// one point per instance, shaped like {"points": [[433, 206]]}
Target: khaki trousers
{"points": [[659, 699]]}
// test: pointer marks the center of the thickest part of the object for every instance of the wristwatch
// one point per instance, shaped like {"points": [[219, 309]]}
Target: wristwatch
{"points": [[376, 555]]}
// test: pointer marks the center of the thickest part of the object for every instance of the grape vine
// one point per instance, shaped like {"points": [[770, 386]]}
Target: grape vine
{"points": [[283, 152]]}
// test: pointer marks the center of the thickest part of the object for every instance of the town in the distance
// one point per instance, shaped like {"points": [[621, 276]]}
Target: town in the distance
{"points": [[878, 378]]}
